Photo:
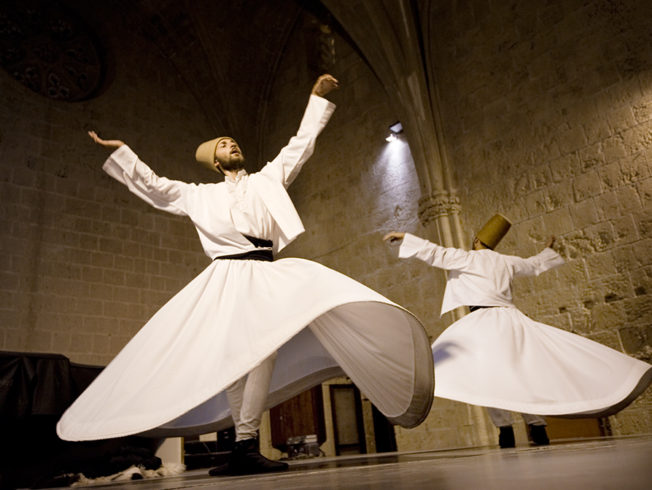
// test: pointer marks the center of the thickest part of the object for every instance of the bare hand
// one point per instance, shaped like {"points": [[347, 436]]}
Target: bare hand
{"points": [[105, 143], [551, 242], [324, 84], [394, 236]]}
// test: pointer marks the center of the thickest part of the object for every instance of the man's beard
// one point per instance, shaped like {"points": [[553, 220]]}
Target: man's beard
{"points": [[232, 163]]}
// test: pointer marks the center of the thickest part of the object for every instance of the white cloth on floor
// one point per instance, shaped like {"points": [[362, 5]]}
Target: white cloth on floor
{"points": [[498, 357], [170, 378]]}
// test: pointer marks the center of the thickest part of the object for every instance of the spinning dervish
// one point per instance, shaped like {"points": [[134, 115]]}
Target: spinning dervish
{"points": [[256, 329], [498, 357]]}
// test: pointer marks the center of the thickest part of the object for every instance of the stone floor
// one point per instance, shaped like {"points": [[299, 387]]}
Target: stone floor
{"points": [[606, 463]]}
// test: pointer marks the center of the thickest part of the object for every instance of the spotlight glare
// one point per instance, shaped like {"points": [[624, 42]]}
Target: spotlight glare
{"points": [[396, 128], [391, 137]]}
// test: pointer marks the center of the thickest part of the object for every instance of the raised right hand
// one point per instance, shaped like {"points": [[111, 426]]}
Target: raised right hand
{"points": [[105, 143], [324, 85], [551, 242]]}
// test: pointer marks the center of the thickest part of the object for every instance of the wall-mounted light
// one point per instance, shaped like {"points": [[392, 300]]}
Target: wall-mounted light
{"points": [[394, 129]]}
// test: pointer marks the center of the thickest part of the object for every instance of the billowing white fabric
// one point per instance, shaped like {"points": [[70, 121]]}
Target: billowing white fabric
{"points": [[498, 357], [188, 352], [170, 377], [314, 364]]}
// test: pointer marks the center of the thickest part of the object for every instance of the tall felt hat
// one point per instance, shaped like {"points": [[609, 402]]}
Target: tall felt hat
{"points": [[494, 230], [205, 153]]}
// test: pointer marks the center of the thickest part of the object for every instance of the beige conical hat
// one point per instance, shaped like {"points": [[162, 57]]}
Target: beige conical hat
{"points": [[494, 230], [205, 153]]}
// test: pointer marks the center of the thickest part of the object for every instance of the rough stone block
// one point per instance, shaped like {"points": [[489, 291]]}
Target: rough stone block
{"points": [[609, 338], [82, 343], [611, 175], [637, 139], [126, 294], [558, 221], [535, 203], [558, 195], [633, 339], [641, 251], [586, 185], [596, 130], [571, 139], [136, 280], [625, 229], [591, 157], [629, 199], [102, 259], [101, 344], [15, 338], [636, 168], [608, 205], [606, 316], [584, 213], [639, 310], [644, 189], [113, 277], [613, 148], [599, 265]]}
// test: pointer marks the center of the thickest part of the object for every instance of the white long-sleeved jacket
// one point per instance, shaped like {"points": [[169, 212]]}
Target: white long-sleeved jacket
{"points": [[268, 210], [477, 277]]}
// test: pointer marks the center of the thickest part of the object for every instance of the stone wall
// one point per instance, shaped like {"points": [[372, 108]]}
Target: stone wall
{"points": [[547, 111], [84, 262], [546, 114]]}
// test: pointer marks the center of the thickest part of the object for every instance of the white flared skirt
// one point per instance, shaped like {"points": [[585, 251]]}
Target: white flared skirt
{"points": [[498, 357], [170, 378]]}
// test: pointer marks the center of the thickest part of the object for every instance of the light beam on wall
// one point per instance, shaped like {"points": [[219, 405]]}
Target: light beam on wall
{"points": [[394, 182]]}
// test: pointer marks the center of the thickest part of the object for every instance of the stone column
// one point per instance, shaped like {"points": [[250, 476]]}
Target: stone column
{"points": [[390, 38], [394, 39]]}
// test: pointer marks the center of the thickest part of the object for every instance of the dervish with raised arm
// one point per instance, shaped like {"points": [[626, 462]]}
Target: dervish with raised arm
{"points": [[250, 331], [498, 357]]}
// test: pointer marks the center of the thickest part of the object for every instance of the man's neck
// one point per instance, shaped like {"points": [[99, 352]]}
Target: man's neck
{"points": [[233, 173]]}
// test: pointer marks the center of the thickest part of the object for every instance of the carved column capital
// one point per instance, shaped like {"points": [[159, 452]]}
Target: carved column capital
{"points": [[437, 205]]}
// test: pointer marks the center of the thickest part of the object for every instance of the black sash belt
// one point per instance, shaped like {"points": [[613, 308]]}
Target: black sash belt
{"points": [[264, 254], [259, 242], [473, 308]]}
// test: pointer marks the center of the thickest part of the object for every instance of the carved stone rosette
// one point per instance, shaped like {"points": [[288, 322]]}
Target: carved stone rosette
{"points": [[49, 50]]}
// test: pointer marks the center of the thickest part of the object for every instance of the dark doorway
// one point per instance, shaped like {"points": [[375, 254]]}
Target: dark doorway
{"points": [[348, 424], [302, 415], [384, 432]]}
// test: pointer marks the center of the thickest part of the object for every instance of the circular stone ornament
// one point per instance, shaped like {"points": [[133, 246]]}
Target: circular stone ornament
{"points": [[49, 50]]}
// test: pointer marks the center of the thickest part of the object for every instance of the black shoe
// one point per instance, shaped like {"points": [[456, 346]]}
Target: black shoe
{"points": [[221, 470], [247, 460], [506, 437], [539, 435]]}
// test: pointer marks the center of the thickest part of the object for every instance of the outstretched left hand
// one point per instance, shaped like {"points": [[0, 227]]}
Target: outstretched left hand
{"points": [[394, 236], [105, 143]]}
